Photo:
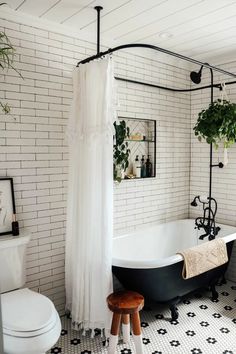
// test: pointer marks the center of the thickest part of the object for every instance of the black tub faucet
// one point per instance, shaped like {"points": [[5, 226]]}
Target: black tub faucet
{"points": [[207, 221]]}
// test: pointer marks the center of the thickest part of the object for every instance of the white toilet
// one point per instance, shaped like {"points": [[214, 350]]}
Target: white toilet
{"points": [[31, 324]]}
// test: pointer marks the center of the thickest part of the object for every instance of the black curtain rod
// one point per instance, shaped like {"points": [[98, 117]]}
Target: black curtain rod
{"points": [[170, 88], [150, 46]]}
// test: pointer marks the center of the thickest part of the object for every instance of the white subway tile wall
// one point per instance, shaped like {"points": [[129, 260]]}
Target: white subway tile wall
{"points": [[34, 150], [224, 180]]}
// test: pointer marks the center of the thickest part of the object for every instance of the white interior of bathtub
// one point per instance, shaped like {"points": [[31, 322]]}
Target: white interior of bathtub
{"points": [[157, 245]]}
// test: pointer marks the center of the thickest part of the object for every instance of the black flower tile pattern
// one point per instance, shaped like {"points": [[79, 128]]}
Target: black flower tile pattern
{"points": [[225, 293], [162, 331], [159, 316], [187, 302], [191, 314], [204, 324], [144, 324], [75, 341], [228, 308], [217, 315], [56, 350], [224, 330], [203, 307], [126, 351], [190, 333], [203, 327], [196, 351], [174, 343], [146, 341], [211, 340]]}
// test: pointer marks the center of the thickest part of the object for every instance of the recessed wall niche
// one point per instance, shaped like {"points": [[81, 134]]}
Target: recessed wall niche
{"points": [[142, 145]]}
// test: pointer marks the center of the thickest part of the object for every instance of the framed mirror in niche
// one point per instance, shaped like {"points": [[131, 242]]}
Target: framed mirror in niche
{"points": [[141, 142]]}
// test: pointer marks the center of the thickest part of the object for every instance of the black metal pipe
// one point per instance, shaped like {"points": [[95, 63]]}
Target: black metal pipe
{"points": [[169, 88], [220, 165], [211, 154], [162, 50], [98, 9]]}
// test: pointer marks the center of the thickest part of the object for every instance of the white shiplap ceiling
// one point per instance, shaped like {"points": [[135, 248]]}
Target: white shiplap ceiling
{"points": [[201, 29]]}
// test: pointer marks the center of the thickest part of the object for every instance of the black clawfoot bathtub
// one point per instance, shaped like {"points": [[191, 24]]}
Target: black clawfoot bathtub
{"points": [[146, 261]]}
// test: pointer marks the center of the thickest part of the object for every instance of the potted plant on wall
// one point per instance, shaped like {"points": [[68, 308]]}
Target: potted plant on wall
{"points": [[217, 124], [121, 150]]}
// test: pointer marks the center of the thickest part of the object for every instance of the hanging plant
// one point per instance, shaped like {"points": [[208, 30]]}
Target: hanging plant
{"points": [[121, 150], [217, 124], [7, 53]]}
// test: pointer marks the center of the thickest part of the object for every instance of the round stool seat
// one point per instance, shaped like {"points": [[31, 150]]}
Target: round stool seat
{"points": [[125, 302]]}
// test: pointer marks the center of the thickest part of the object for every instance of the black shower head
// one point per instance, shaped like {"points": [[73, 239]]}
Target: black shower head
{"points": [[194, 202], [196, 76]]}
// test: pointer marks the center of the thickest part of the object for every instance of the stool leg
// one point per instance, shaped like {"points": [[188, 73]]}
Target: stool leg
{"points": [[113, 340], [137, 334], [126, 328]]}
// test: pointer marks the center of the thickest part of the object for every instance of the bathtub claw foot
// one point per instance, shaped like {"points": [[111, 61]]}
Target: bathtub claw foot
{"points": [[174, 313], [215, 294], [173, 308]]}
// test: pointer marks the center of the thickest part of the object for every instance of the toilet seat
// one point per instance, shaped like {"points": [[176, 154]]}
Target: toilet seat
{"points": [[26, 314]]}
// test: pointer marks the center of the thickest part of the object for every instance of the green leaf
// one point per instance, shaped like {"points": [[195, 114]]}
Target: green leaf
{"points": [[121, 149], [217, 123]]}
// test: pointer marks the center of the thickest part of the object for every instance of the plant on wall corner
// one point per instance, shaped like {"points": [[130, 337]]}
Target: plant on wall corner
{"points": [[121, 150], [217, 124], [7, 53]]}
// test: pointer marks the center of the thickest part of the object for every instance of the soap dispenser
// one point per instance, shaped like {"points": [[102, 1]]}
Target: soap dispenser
{"points": [[137, 167], [143, 167], [148, 167]]}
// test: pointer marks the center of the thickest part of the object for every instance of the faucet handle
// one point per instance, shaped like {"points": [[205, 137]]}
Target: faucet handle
{"points": [[203, 236]]}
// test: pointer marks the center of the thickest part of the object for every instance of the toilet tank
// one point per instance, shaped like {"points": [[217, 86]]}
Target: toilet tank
{"points": [[12, 261]]}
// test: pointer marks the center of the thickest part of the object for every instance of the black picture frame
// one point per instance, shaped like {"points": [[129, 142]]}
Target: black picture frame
{"points": [[7, 205]]}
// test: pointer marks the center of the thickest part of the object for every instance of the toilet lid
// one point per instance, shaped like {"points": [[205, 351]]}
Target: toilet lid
{"points": [[25, 311]]}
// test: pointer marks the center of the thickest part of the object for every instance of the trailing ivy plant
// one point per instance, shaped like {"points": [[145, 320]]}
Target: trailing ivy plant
{"points": [[7, 53], [217, 123], [121, 150]]}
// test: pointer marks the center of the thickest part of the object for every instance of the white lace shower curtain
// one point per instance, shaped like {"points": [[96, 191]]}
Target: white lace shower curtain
{"points": [[90, 195]]}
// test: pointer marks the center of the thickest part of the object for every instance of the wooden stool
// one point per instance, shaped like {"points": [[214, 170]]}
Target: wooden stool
{"points": [[124, 304]]}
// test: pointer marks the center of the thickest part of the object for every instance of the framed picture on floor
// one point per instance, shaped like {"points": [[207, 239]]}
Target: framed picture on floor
{"points": [[7, 205]]}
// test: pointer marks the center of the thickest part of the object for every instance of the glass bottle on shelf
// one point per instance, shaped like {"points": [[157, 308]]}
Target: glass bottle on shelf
{"points": [[148, 167], [143, 167], [137, 167]]}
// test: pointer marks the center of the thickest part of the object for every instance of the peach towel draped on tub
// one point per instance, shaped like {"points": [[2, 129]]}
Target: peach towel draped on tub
{"points": [[201, 258]]}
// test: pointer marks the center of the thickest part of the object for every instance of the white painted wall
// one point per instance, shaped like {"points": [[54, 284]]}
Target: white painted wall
{"points": [[34, 151]]}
